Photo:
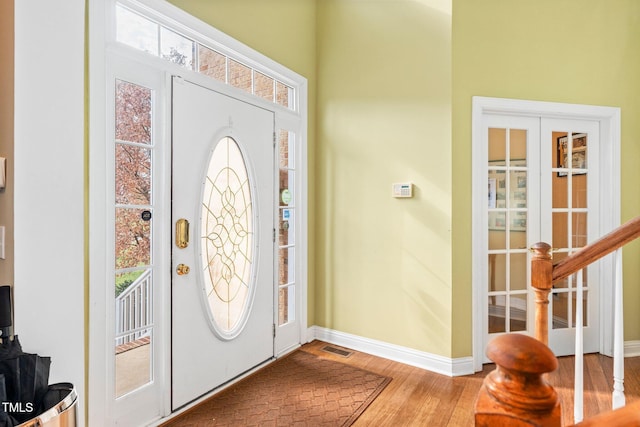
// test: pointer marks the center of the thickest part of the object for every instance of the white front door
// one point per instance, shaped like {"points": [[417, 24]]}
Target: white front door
{"points": [[223, 219], [542, 187]]}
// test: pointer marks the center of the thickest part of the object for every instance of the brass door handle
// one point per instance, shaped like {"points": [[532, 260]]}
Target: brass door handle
{"points": [[182, 269], [182, 233]]}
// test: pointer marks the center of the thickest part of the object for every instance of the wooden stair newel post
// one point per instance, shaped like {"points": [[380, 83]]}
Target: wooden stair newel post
{"points": [[542, 283], [516, 394]]}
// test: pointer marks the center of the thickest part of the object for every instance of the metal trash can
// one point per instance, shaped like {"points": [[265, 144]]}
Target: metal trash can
{"points": [[62, 401]]}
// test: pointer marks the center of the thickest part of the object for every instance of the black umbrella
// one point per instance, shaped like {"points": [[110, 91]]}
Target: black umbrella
{"points": [[26, 382], [6, 420], [25, 375]]}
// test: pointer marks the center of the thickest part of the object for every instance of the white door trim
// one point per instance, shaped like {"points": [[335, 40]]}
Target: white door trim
{"points": [[104, 50], [609, 157]]}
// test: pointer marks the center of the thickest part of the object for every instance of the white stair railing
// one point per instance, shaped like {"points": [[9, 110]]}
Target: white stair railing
{"points": [[578, 394], [544, 274], [134, 311], [618, 399]]}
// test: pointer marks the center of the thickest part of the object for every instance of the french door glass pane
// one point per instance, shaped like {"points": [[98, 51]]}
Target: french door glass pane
{"points": [[579, 191], [559, 195], [497, 234], [584, 308], [507, 229], [579, 229], [518, 189], [556, 257], [517, 231], [563, 308], [560, 310], [497, 146], [518, 145], [560, 226], [497, 269], [518, 272], [518, 313], [497, 311], [569, 220]]}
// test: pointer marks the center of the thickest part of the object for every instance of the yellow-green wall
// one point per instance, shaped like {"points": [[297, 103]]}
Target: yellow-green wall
{"points": [[383, 266], [6, 135], [379, 77], [574, 51]]}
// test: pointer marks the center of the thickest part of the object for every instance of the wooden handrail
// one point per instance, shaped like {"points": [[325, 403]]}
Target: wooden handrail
{"points": [[627, 416], [544, 274], [603, 246]]}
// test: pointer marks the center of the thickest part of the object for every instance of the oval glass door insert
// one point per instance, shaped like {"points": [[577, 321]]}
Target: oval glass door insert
{"points": [[227, 243]]}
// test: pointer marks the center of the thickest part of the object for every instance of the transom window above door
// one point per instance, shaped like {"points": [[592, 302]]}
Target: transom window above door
{"points": [[140, 32]]}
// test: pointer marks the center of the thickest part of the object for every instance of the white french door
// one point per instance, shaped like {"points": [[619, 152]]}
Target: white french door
{"points": [[570, 202], [223, 254], [542, 179]]}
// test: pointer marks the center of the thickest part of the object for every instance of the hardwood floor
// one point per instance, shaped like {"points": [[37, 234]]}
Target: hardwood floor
{"points": [[416, 397]]}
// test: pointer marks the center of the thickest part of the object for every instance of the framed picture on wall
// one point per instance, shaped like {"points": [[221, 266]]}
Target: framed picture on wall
{"points": [[577, 157]]}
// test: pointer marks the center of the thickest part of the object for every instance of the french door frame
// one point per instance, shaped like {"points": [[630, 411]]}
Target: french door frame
{"points": [[608, 185]]}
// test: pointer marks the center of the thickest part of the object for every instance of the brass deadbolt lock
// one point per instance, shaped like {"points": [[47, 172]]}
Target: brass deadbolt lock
{"points": [[182, 269], [182, 233]]}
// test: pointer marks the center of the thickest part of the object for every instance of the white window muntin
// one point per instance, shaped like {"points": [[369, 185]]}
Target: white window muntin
{"points": [[163, 22]]}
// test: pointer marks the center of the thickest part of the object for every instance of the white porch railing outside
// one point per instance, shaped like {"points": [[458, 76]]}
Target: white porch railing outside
{"points": [[134, 312]]}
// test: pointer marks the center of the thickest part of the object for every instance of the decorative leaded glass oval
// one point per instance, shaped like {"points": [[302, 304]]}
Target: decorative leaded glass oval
{"points": [[227, 239]]}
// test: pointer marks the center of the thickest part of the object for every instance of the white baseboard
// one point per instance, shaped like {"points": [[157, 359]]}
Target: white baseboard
{"points": [[631, 348], [420, 359]]}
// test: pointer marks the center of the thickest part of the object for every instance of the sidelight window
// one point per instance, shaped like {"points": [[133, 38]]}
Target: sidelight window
{"points": [[133, 258]]}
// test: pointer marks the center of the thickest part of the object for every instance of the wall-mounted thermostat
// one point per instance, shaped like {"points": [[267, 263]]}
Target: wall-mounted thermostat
{"points": [[403, 190]]}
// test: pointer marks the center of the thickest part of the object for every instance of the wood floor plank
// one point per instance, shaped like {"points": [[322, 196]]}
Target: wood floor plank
{"points": [[462, 414]]}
